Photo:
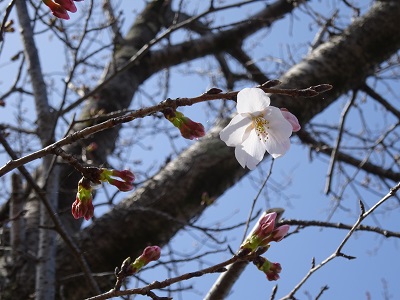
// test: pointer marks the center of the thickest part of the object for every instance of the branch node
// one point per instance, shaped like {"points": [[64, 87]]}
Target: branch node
{"points": [[349, 257]]}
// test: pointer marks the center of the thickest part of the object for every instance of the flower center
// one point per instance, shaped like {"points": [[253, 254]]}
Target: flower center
{"points": [[260, 125]]}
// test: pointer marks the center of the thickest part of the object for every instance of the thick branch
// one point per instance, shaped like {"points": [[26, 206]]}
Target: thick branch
{"points": [[35, 73]]}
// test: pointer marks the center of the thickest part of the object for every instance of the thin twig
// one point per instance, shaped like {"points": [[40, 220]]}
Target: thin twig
{"points": [[322, 224], [256, 198], [335, 151], [7, 14]]}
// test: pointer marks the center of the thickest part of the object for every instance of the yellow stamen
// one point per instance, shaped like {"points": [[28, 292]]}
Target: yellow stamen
{"points": [[260, 125]]}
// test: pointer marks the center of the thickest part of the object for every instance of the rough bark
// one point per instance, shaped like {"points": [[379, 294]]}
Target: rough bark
{"points": [[156, 211], [43, 246], [45, 286]]}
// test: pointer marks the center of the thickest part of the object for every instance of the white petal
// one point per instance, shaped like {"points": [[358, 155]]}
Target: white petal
{"points": [[252, 100], [245, 159], [279, 130], [251, 152], [277, 148], [278, 125], [234, 133], [254, 146]]}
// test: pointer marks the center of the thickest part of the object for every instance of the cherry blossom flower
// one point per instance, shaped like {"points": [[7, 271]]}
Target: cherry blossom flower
{"points": [[258, 127]]}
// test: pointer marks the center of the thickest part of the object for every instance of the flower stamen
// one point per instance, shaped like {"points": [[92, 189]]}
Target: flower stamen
{"points": [[260, 125]]}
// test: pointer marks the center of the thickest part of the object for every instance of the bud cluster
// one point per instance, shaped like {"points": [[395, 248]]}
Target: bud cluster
{"points": [[83, 206], [258, 243], [265, 233]]}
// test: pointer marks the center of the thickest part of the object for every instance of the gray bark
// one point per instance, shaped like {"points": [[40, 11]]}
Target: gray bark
{"points": [[46, 256], [43, 240], [17, 230]]}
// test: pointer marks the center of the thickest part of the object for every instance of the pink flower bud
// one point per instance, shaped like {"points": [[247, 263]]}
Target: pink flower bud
{"points": [[59, 8], [279, 233], [291, 118], [266, 225], [83, 206], [121, 185], [272, 270], [56, 9], [188, 128], [151, 253], [262, 234], [191, 130], [273, 273], [82, 210], [127, 176], [67, 4], [265, 233]]}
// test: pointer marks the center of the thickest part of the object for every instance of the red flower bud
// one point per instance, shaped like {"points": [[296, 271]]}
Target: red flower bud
{"points": [[59, 8], [270, 269], [83, 206], [188, 128], [273, 273], [67, 4], [151, 253], [56, 9], [127, 176], [121, 185], [191, 130], [82, 210]]}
